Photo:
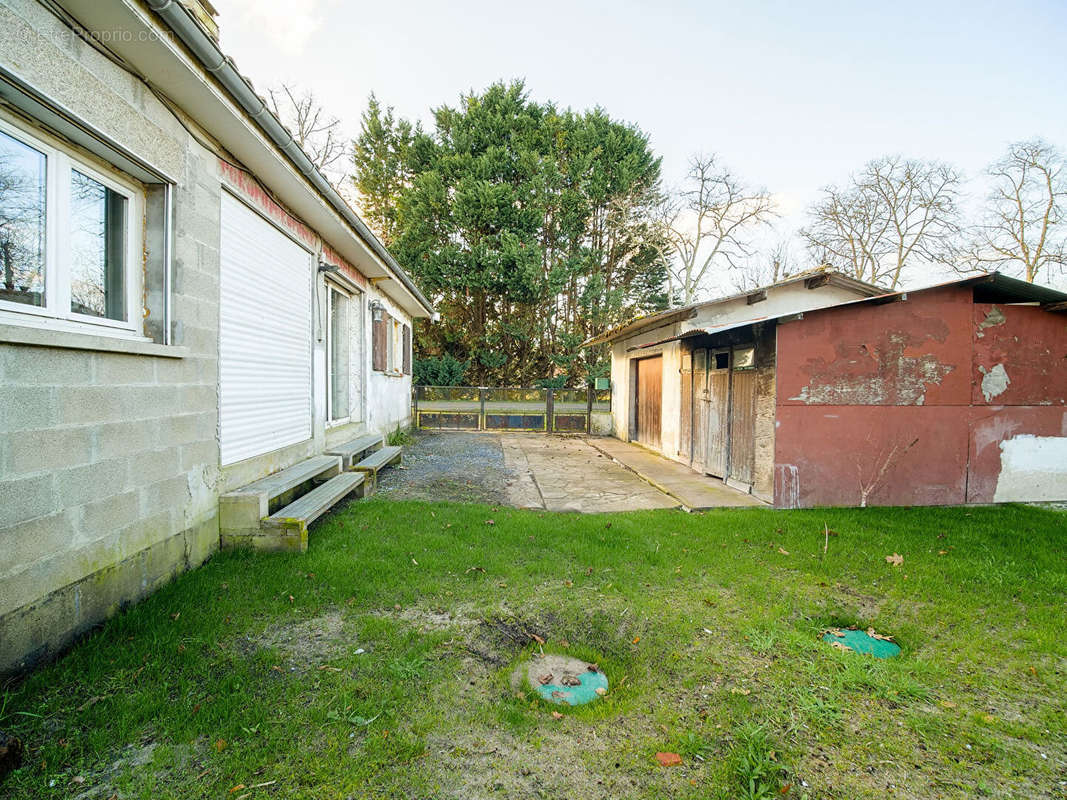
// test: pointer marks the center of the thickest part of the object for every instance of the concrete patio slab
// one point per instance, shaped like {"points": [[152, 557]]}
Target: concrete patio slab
{"points": [[564, 473], [693, 490]]}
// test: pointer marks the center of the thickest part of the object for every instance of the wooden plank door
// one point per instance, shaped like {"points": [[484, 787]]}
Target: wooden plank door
{"points": [[685, 442], [700, 402], [649, 399], [718, 429], [742, 425]]}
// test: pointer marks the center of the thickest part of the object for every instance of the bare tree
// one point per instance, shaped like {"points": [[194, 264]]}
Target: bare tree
{"points": [[707, 224], [317, 132], [892, 214], [768, 266], [1024, 229]]}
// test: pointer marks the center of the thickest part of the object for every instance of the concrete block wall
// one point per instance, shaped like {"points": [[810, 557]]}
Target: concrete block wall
{"points": [[108, 460]]}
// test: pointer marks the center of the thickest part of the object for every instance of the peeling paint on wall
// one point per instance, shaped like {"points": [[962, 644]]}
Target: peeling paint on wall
{"points": [[994, 382], [786, 486], [1032, 468], [993, 318], [905, 384]]}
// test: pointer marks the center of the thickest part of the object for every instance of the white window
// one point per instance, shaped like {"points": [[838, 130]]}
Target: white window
{"points": [[338, 354], [69, 237]]}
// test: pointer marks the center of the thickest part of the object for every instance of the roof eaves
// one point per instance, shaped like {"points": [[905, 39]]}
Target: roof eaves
{"points": [[207, 52]]}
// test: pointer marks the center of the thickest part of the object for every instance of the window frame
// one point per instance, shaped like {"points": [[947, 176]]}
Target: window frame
{"points": [[60, 162], [331, 286]]}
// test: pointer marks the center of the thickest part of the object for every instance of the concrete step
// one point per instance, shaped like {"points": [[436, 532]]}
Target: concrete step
{"points": [[291, 523], [354, 451], [376, 461]]}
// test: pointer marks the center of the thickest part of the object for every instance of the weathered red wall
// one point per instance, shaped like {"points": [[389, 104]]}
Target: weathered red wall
{"points": [[889, 399]]}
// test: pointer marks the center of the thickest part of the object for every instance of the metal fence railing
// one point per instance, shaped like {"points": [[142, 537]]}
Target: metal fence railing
{"points": [[484, 408]]}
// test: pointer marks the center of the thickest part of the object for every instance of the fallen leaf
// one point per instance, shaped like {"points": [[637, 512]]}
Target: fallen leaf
{"points": [[556, 715], [1033, 672], [669, 759], [237, 788], [896, 559], [568, 583], [593, 667], [545, 679], [536, 638], [475, 569], [840, 646], [490, 522], [588, 570], [942, 552], [783, 551], [600, 690], [220, 745], [175, 616], [636, 639], [78, 779], [744, 692], [292, 599], [947, 704]]}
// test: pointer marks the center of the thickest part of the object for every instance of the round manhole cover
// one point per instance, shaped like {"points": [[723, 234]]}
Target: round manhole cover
{"points": [[562, 679], [867, 642]]}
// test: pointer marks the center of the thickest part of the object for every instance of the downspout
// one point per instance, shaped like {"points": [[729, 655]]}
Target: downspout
{"points": [[178, 19]]}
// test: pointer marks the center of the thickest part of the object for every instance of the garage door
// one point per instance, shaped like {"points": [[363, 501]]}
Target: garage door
{"points": [[264, 336]]}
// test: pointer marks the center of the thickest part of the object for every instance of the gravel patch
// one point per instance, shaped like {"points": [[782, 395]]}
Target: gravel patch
{"points": [[458, 467]]}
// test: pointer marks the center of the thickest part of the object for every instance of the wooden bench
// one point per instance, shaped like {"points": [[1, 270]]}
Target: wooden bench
{"points": [[376, 461], [242, 511], [289, 526], [356, 450]]}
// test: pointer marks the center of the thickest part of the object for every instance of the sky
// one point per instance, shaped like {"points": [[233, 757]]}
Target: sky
{"points": [[791, 95]]}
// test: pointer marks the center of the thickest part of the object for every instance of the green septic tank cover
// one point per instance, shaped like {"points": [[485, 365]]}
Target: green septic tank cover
{"points": [[565, 680], [867, 642]]}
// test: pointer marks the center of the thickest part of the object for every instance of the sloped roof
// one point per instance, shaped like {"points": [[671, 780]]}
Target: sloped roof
{"points": [[672, 315], [991, 287]]}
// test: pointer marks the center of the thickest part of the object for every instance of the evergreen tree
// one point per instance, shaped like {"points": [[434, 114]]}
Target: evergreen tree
{"points": [[529, 227]]}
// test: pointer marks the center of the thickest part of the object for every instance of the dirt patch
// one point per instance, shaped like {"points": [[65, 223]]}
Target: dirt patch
{"points": [[305, 645]]}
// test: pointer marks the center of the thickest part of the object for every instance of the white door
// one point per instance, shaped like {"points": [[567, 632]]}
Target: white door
{"points": [[265, 338]]}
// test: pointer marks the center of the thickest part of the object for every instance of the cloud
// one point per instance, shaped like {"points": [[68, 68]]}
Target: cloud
{"points": [[281, 24]]}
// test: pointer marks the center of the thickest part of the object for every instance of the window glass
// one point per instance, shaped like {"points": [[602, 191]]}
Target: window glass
{"points": [[97, 248], [744, 357], [22, 222], [339, 358]]}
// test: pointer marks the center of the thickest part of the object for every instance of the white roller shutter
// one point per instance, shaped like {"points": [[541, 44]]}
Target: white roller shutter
{"points": [[264, 336]]}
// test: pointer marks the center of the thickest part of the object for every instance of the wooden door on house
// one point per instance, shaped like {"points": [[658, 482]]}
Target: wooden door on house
{"points": [[742, 438], [700, 410], [685, 440], [718, 412], [648, 398]]}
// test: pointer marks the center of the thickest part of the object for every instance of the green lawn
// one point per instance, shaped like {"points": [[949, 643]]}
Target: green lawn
{"points": [[247, 672]]}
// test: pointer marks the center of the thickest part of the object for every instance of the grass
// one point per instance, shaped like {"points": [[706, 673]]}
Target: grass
{"points": [[401, 437], [379, 663]]}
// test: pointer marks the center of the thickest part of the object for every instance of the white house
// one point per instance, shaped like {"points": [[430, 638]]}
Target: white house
{"points": [[186, 307]]}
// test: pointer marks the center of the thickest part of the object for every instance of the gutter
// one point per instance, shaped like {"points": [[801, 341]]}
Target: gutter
{"points": [[177, 18]]}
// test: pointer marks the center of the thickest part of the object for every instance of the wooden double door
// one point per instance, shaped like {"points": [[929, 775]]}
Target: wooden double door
{"points": [[719, 412]]}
